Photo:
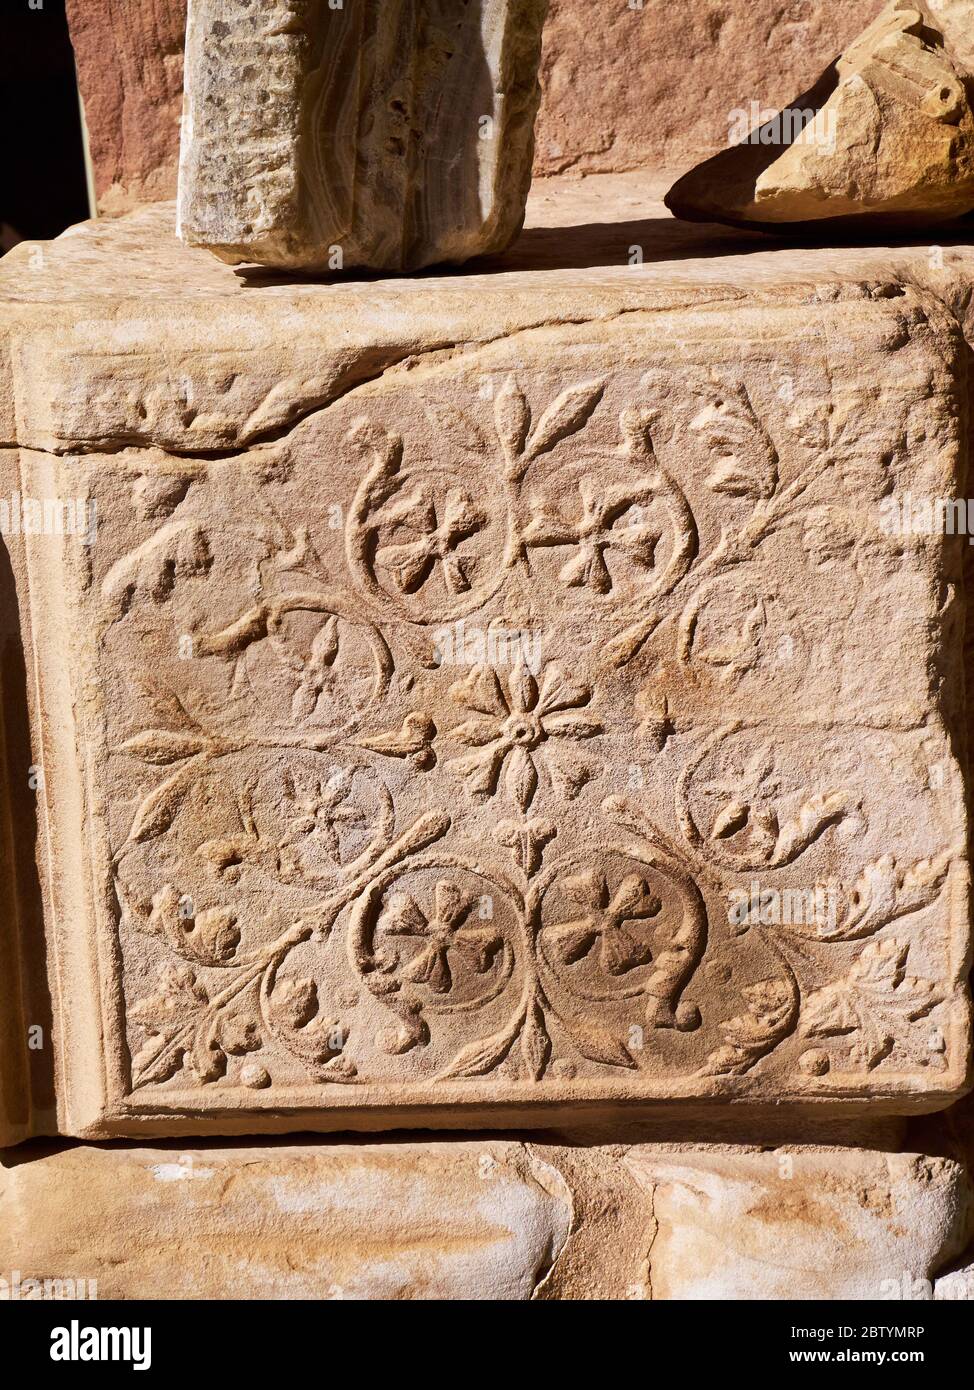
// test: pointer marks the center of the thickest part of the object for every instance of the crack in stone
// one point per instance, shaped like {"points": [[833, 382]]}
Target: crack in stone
{"points": [[325, 401]]}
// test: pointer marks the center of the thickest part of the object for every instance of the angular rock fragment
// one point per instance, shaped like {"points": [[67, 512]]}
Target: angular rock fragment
{"points": [[388, 135], [885, 138]]}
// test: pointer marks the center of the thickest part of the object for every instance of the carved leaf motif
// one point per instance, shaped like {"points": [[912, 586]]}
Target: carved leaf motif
{"points": [[481, 692], [597, 1043], [830, 1011], [730, 820], [155, 1062], [162, 746], [522, 778], [750, 1036], [482, 1056], [206, 1056], [628, 644], [413, 740], [730, 477], [535, 1043], [177, 550], [827, 427], [214, 935], [876, 985], [884, 893], [209, 938], [292, 1009], [815, 815], [512, 416], [745, 458], [166, 1015], [527, 841], [238, 1034], [157, 812], [566, 415]]}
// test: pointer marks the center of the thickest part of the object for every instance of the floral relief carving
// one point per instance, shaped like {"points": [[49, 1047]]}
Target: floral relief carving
{"points": [[752, 817], [519, 728], [440, 528], [347, 861], [610, 922], [598, 529], [448, 929], [864, 1008]]}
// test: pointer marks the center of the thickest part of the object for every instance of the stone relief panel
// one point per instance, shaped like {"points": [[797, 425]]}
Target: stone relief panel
{"points": [[550, 726]]}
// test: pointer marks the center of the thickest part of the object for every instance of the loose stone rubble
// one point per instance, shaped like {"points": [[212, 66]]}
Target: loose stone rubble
{"points": [[886, 138], [385, 135]]}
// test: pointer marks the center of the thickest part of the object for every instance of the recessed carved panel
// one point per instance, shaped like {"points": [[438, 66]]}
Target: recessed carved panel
{"points": [[553, 725]]}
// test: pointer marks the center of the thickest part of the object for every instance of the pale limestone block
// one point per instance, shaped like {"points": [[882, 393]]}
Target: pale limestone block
{"points": [[482, 1219], [454, 657], [886, 138], [391, 134], [477, 1220], [802, 1223], [957, 1286]]}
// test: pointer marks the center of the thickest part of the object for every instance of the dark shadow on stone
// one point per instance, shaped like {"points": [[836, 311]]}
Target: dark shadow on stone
{"points": [[26, 1073], [737, 169]]}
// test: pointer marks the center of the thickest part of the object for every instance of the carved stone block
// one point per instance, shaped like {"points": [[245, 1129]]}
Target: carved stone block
{"points": [[444, 731], [391, 135]]}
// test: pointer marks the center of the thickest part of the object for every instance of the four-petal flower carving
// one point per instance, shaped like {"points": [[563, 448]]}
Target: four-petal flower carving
{"points": [[445, 930], [512, 729], [595, 532], [440, 528], [607, 918], [318, 674]]}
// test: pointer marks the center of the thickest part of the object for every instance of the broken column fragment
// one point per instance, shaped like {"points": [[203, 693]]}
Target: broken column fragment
{"points": [[387, 136]]}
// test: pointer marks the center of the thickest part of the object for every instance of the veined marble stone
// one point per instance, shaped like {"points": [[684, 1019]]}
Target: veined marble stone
{"points": [[391, 135], [522, 697]]}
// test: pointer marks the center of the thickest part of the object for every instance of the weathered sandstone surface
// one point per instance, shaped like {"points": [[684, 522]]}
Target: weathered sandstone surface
{"points": [[804, 1224], [494, 698], [390, 136], [885, 138], [398, 1221], [483, 1219]]}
